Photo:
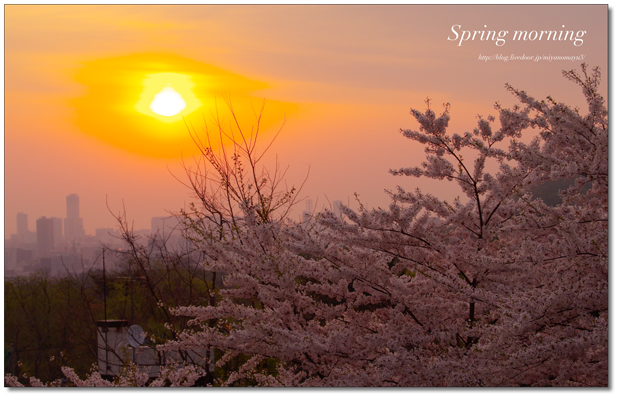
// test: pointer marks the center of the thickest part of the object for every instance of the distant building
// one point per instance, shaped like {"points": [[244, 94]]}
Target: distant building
{"points": [[307, 214], [10, 260], [45, 264], [309, 207], [164, 225], [31, 266], [74, 226], [142, 236], [104, 233], [73, 206], [23, 236], [66, 264], [165, 232], [57, 231], [22, 224], [45, 236], [25, 257], [337, 209], [93, 256]]}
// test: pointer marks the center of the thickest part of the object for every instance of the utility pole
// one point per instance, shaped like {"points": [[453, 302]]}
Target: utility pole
{"points": [[105, 316]]}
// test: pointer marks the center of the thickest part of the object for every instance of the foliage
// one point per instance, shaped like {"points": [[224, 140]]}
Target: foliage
{"points": [[47, 324], [498, 289], [50, 323]]}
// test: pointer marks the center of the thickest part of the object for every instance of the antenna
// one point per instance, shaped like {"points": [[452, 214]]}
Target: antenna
{"points": [[105, 315], [105, 309]]}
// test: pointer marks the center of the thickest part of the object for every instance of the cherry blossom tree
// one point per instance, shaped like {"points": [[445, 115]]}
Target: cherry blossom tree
{"points": [[497, 289], [500, 288], [492, 289]]}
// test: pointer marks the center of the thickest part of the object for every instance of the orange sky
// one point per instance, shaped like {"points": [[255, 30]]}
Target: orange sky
{"points": [[343, 77]]}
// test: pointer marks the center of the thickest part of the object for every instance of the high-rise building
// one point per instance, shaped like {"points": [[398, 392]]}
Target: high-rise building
{"points": [[57, 230], [23, 235], [45, 236], [74, 227], [22, 224], [10, 259], [73, 206]]}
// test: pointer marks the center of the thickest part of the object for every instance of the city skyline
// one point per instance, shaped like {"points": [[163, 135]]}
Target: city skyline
{"points": [[342, 77], [157, 223]]}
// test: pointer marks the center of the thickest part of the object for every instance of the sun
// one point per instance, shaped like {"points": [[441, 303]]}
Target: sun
{"points": [[167, 96], [168, 102]]}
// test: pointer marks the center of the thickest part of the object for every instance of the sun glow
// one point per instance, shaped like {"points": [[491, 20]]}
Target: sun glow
{"points": [[119, 105], [168, 102], [167, 96]]}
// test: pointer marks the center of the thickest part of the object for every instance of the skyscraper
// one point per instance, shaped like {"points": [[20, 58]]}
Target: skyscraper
{"points": [[45, 236], [74, 227], [22, 224], [57, 230], [73, 206]]}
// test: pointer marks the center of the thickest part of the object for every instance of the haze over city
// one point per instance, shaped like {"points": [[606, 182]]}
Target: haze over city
{"points": [[341, 79]]}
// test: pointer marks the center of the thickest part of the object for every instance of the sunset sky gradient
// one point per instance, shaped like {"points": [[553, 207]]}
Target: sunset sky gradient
{"points": [[341, 78]]}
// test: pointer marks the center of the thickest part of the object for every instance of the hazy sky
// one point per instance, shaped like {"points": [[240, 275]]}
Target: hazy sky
{"points": [[343, 77]]}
